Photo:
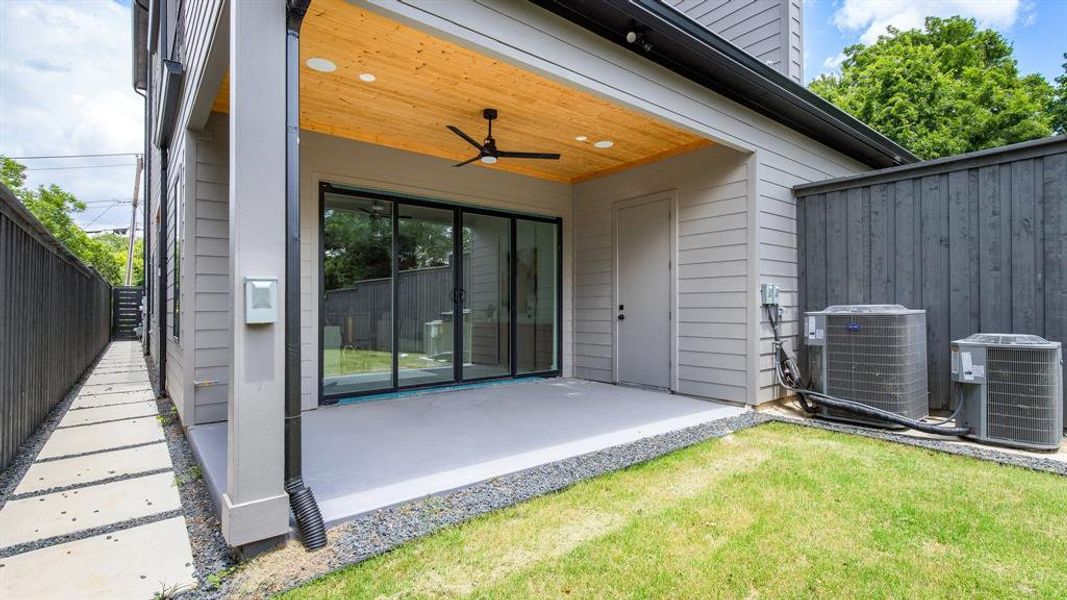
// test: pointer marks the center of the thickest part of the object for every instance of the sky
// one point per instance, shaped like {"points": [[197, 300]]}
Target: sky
{"points": [[65, 77], [1037, 28]]}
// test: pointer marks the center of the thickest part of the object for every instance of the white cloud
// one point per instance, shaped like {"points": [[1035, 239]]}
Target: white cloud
{"points": [[65, 88], [833, 62], [871, 17]]}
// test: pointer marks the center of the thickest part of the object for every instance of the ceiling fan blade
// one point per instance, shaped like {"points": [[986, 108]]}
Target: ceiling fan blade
{"points": [[469, 139], [537, 155], [468, 161]]}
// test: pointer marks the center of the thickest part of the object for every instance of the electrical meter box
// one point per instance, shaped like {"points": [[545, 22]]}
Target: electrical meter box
{"points": [[261, 300]]}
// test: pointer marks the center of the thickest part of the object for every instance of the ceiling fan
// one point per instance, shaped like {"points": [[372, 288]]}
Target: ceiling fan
{"points": [[488, 153]]}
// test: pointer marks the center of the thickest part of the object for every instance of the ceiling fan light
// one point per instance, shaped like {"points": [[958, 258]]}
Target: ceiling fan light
{"points": [[489, 160], [581, 138], [367, 77], [604, 144]]}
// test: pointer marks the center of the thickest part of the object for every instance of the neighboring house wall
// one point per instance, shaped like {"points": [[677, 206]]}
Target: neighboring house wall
{"points": [[979, 242], [340, 161], [770, 30], [711, 269]]}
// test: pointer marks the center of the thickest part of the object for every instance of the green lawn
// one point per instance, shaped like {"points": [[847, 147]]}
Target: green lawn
{"points": [[774, 511], [348, 362]]}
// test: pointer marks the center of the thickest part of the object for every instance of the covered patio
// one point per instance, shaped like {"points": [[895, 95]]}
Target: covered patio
{"points": [[372, 454]]}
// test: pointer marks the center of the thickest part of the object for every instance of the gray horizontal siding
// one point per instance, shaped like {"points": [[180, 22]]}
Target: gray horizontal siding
{"points": [[981, 248], [770, 30], [213, 336], [712, 267]]}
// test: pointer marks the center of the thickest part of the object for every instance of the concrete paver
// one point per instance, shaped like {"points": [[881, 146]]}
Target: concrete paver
{"points": [[123, 377], [102, 487], [109, 413], [134, 563], [61, 513], [94, 467], [109, 388], [94, 400], [102, 436]]}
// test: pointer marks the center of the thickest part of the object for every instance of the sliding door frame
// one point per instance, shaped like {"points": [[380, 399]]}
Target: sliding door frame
{"points": [[458, 210]]}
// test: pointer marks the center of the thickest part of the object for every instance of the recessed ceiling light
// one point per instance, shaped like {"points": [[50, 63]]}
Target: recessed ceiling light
{"points": [[489, 160], [604, 144], [321, 64], [582, 138], [367, 77]]}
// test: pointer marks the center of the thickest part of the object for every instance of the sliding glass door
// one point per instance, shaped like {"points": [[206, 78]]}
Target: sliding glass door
{"points": [[426, 295], [417, 293]]}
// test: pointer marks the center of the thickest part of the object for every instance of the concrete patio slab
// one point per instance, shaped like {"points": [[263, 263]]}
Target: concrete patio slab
{"points": [[107, 369], [95, 400], [132, 376], [110, 388], [94, 467], [62, 513], [103, 436], [133, 563], [100, 414], [365, 456]]}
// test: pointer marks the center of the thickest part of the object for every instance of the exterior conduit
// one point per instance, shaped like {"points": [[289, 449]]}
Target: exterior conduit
{"points": [[309, 523], [786, 373]]}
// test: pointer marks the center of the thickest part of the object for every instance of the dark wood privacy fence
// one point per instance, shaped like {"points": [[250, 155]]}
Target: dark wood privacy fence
{"points": [[55, 318], [125, 312], [978, 240]]}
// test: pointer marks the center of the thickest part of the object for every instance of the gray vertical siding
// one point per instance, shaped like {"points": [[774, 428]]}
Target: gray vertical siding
{"points": [[55, 316], [770, 30], [978, 241]]}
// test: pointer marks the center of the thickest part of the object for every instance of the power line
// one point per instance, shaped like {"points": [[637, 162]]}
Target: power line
{"points": [[80, 167], [74, 156]]}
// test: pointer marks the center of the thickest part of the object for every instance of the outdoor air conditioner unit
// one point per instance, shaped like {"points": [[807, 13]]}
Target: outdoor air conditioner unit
{"points": [[874, 354], [1012, 389]]}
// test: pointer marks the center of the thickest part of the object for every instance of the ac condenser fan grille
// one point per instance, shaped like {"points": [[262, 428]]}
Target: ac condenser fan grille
{"points": [[1022, 395], [878, 360]]}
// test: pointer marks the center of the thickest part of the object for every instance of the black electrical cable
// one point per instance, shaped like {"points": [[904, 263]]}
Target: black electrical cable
{"points": [[785, 370]]}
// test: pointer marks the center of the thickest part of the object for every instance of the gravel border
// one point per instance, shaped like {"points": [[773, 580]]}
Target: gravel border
{"points": [[211, 554], [1032, 461]]}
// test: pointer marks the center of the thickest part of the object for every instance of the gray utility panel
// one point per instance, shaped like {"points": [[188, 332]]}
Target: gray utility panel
{"points": [[1011, 387], [874, 354]]}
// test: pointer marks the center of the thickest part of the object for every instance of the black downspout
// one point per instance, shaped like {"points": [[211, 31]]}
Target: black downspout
{"points": [[164, 157], [302, 502], [164, 160]]}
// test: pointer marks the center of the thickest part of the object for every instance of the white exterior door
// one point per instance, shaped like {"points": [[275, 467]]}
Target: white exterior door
{"points": [[644, 293]]}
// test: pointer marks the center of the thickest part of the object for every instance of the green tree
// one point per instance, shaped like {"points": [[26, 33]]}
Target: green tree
{"points": [[948, 89], [1058, 107], [55, 208]]}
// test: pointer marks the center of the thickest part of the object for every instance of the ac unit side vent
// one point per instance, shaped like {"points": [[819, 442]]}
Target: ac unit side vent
{"points": [[1022, 396]]}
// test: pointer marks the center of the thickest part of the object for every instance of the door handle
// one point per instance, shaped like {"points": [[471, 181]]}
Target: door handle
{"points": [[622, 317]]}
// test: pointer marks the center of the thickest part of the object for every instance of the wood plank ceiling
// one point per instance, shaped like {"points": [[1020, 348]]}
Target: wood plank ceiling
{"points": [[422, 83]]}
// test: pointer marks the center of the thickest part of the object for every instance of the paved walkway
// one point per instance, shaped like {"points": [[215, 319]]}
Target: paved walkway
{"points": [[98, 514]]}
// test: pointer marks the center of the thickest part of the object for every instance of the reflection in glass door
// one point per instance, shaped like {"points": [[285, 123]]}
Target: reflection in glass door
{"points": [[426, 296], [419, 293], [486, 292], [357, 309], [536, 296]]}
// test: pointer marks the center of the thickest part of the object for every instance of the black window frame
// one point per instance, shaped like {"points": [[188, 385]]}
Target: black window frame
{"points": [[459, 210]]}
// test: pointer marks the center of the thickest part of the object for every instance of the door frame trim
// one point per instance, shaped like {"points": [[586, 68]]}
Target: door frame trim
{"points": [[671, 195]]}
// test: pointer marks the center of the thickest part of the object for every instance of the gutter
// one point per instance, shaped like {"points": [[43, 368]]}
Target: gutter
{"points": [[302, 502], [673, 40]]}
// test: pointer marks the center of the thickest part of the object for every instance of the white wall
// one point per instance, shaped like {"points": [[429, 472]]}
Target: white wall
{"points": [[711, 269], [339, 161]]}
